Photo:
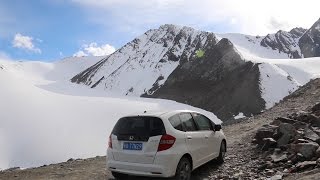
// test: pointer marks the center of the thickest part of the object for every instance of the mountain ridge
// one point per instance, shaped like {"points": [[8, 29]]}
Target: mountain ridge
{"points": [[146, 65]]}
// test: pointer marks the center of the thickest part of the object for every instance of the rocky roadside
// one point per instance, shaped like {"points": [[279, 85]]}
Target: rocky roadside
{"points": [[244, 160], [290, 144]]}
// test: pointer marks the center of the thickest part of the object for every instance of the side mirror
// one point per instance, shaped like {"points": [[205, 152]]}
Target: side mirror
{"points": [[217, 127]]}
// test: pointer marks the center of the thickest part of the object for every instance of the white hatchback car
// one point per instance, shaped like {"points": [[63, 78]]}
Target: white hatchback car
{"points": [[164, 144]]}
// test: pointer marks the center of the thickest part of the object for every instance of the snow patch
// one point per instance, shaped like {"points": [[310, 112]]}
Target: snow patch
{"points": [[275, 83], [239, 116]]}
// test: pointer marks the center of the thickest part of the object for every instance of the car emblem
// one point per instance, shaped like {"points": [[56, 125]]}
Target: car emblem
{"points": [[131, 138]]}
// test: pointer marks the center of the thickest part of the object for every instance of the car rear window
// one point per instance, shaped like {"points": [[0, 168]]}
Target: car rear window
{"points": [[145, 126]]}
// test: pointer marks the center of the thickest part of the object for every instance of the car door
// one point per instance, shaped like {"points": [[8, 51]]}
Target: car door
{"points": [[205, 125], [194, 139]]}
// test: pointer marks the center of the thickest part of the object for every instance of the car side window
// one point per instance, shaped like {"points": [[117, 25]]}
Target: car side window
{"points": [[176, 122], [202, 122], [188, 122]]}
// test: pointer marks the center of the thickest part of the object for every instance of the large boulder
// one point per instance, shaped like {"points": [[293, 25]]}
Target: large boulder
{"points": [[308, 150], [269, 143], [307, 118], [316, 109], [315, 120], [305, 165], [309, 134], [266, 131], [316, 130], [288, 132], [300, 125], [280, 120], [279, 157]]}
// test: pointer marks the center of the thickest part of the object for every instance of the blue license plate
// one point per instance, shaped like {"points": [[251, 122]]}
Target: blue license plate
{"points": [[132, 146]]}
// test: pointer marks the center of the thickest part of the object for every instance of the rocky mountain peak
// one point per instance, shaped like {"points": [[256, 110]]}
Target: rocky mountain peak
{"points": [[157, 52], [169, 27], [284, 41], [298, 31], [225, 43], [310, 41]]}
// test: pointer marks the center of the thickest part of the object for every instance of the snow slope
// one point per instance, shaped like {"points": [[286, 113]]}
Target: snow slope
{"points": [[279, 78], [279, 75], [40, 126], [40, 72], [250, 47]]}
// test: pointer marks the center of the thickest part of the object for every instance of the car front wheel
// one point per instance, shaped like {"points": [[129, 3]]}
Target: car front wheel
{"points": [[184, 169]]}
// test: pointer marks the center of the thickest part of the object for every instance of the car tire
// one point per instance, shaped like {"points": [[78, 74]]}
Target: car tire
{"points": [[222, 153], [184, 169], [119, 176]]}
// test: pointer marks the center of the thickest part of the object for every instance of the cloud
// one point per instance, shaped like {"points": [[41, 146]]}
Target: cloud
{"points": [[93, 49], [245, 16], [80, 54], [24, 42]]}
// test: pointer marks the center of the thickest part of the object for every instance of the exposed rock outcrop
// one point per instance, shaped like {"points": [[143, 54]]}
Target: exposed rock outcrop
{"points": [[310, 41], [220, 81], [293, 140]]}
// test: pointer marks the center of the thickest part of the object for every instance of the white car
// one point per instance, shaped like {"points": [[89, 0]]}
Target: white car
{"points": [[164, 144]]}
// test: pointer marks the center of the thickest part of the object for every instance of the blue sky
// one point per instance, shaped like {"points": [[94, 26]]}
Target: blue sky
{"points": [[49, 30], [58, 29]]}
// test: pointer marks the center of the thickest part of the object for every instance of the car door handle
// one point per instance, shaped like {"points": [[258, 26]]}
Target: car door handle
{"points": [[207, 137], [189, 137]]}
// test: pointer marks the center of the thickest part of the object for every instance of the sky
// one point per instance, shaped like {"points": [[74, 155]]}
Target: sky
{"points": [[49, 30]]}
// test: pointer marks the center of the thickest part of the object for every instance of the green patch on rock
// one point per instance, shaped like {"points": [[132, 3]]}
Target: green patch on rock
{"points": [[199, 53]]}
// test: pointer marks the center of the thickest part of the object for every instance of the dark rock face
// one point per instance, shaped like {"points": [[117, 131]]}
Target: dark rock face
{"points": [[220, 82], [86, 75], [297, 43], [310, 41], [284, 42]]}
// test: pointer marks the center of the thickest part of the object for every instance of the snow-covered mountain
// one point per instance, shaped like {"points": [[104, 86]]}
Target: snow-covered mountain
{"points": [[150, 58], [227, 74], [297, 43], [286, 42]]}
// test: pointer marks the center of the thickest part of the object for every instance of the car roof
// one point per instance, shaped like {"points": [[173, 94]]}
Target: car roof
{"points": [[165, 114], [161, 113]]}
